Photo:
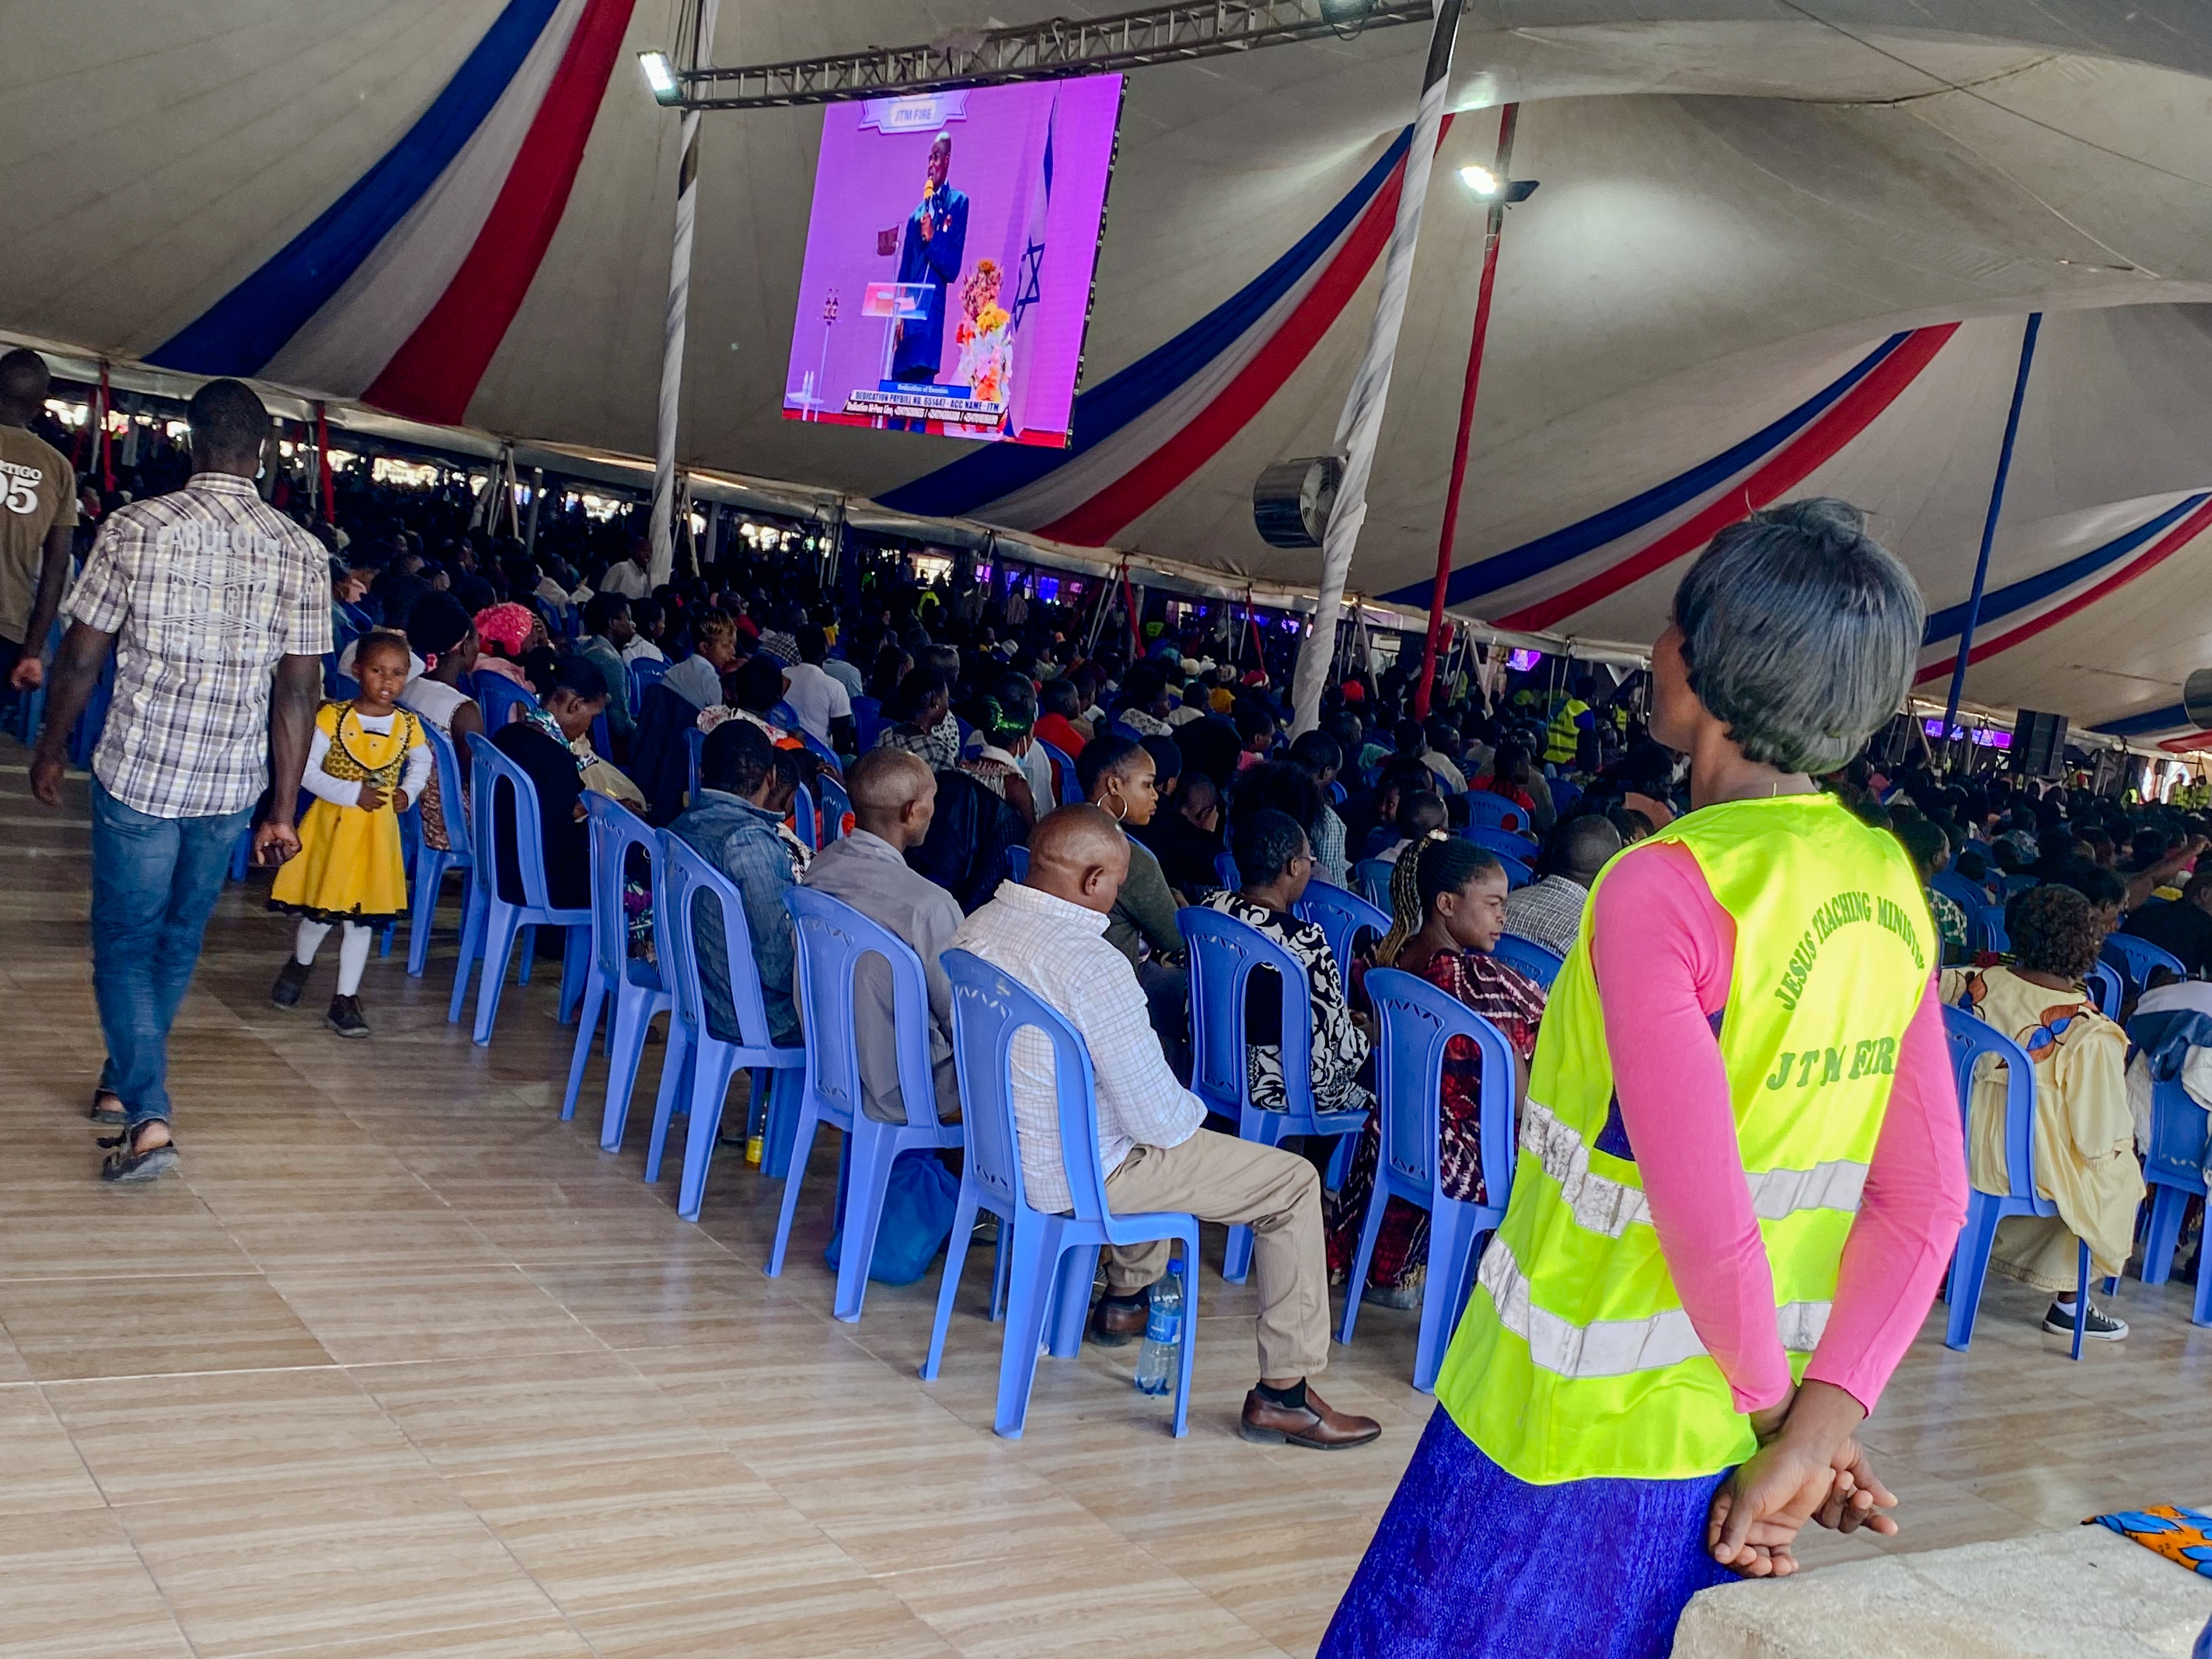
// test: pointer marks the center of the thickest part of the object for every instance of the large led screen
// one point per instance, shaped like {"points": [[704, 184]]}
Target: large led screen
{"points": [[949, 258]]}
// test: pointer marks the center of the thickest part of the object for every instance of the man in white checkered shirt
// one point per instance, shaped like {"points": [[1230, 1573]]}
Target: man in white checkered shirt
{"points": [[218, 609], [1049, 933]]}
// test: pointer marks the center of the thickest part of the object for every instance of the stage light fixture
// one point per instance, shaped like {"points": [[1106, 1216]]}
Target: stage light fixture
{"points": [[1481, 180], [659, 76], [1346, 14]]}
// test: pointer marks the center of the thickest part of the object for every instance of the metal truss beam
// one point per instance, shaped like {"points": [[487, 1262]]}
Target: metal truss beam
{"points": [[1053, 50]]}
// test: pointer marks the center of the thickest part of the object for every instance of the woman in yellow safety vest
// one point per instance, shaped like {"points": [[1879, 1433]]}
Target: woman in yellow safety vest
{"points": [[1741, 1168]]}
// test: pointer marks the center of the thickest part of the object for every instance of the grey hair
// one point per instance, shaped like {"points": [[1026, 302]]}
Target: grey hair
{"points": [[1801, 633]]}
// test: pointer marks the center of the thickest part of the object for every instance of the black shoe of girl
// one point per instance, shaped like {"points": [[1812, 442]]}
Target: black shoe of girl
{"points": [[345, 1017], [291, 980]]}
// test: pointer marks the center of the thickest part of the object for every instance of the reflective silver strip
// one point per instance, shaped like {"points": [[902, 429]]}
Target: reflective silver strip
{"points": [[1616, 1347], [1602, 1204]]}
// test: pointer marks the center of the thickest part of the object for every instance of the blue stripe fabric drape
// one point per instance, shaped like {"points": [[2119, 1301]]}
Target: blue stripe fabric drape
{"points": [[242, 330], [1624, 518]]}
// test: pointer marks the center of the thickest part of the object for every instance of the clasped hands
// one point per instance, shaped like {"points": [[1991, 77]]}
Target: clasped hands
{"points": [[1809, 1466]]}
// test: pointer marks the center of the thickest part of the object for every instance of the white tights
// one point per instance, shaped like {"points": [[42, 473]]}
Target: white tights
{"points": [[353, 950]]}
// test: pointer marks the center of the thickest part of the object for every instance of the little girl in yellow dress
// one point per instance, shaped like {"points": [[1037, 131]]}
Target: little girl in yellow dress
{"points": [[367, 761]]}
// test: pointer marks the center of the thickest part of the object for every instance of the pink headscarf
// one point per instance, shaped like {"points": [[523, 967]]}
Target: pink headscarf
{"points": [[507, 626]]}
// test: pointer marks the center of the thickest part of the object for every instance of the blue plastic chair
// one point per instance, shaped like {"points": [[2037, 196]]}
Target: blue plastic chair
{"points": [[1341, 915], [1972, 1039], [634, 983], [1986, 929], [1563, 796], [1415, 1022], [492, 923], [1225, 872], [833, 939], [698, 1063], [1981, 847], [1046, 1261], [1224, 953], [1530, 957], [1517, 874], [695, 744], [603, 736], [1968, 896], [2175, 1168], [1018, 860], [2135, 958], [2020, 883], [645, 674], [1485, 810], [1067, 789], [868, 722], [837, 806], [500, 699], [1373, 875], [2104, 984], [805, 822], [431, 864], [1503, 842]]}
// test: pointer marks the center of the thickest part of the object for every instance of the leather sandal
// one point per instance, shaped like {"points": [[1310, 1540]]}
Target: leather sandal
{"points": [[125, 1166]]}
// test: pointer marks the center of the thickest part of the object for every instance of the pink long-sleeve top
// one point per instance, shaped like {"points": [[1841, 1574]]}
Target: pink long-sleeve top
{"points": [[1662, 949]]}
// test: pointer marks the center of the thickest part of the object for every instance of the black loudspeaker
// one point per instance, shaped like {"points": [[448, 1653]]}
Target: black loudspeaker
{"points": [[2039, 744]]}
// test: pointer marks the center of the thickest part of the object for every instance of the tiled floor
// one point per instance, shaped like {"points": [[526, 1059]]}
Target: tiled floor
{"points": [[404, 1366]]}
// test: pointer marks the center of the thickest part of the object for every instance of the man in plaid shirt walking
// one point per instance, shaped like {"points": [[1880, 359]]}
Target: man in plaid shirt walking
{"points": [[218, 609]]}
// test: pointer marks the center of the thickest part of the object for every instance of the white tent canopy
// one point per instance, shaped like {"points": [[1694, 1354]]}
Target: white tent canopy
{"points": [[1777, 249]]}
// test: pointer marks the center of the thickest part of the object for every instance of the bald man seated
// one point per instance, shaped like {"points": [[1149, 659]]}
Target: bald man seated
{"points": [[894, 796], [1049, 933]]}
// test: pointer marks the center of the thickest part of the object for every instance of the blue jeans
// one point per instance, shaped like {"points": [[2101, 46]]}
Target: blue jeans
{"points": [[153, 882]]}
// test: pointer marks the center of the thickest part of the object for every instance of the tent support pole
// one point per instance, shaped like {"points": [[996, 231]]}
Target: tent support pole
{"points": [[1360, 428], [672, 327], [1508, 118], [1990, 525]]}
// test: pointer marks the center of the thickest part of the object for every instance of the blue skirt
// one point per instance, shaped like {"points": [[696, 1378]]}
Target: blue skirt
{"points": [[1470, 1563]]}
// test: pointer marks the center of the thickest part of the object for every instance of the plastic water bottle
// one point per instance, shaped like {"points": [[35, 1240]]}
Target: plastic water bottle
{"points": [[1157, 1364]]}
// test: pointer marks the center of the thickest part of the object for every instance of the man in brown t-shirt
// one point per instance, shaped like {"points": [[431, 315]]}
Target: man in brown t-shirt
{"points": [[38, 512]]}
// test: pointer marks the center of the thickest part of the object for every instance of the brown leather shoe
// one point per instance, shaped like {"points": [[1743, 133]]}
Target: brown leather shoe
{"points": [[1117, 1324], [1313, 1426]]}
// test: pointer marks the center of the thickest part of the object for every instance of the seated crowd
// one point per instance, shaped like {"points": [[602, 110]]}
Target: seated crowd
{"points": [[941, 738]]}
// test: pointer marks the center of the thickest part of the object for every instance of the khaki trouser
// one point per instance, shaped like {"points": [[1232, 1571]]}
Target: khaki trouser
{"points": [[1277, 1194]]}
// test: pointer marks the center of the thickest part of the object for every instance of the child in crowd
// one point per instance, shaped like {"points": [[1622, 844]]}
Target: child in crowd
{"points": [[367, 759]]}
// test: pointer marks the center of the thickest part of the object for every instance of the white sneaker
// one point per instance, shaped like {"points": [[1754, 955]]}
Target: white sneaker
{"points": [[2098, 1328]]}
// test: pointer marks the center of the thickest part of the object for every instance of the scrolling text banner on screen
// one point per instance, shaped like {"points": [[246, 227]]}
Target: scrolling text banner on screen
{"points": [[949, 260]]}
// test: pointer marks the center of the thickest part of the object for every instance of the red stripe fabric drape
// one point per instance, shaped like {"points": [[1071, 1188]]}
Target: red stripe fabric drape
{"points": [[1852, 414], [434, 375], [1145, 485]]}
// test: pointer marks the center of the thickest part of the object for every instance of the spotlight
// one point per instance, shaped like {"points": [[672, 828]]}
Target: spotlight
{"points": [[659, 76], [1481, 180], [1346, 17]]}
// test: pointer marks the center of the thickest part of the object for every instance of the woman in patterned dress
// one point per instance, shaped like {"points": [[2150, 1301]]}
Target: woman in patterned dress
{"points": [[1276, 863], [1448, 897]]}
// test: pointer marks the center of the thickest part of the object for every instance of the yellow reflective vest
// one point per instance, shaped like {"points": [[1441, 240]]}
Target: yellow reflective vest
{"points": [[1563, 735], [1574, 1359]]}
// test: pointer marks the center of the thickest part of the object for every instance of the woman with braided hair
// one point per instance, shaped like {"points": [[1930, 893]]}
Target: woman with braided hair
{"points": [[1448, 899]]}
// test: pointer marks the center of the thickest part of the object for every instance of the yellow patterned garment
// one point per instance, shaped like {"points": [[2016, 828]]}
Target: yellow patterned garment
{"points": [[2085, 1155], [349, 867]]}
